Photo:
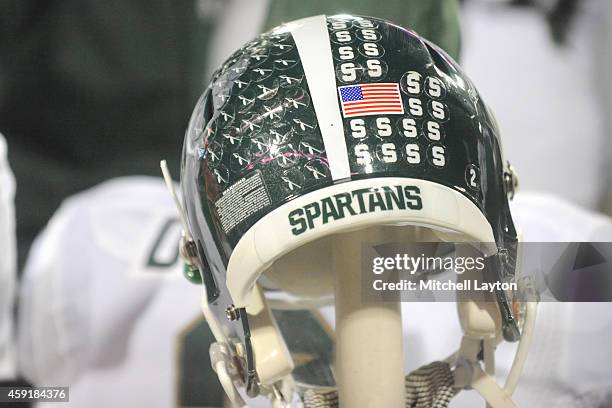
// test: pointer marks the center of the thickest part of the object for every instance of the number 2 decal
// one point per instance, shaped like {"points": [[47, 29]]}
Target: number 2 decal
{"points": [[472, 176]]}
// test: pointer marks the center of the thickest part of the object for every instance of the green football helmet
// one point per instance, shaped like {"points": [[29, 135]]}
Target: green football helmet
{"points": [[325, 125]]}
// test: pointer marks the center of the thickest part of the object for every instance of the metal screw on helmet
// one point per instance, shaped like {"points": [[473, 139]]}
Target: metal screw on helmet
{"points": [[231, 313], [188, 250], [189, 253], [511, 181]]}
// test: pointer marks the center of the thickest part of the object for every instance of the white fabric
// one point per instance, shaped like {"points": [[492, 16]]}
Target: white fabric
{"points": [[546, 98], [7, 266], [93, 314], [568, 363], [94, 317]]}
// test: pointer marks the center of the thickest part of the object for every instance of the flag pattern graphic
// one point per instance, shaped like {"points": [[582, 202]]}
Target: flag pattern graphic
{"points": [[371, 99]]}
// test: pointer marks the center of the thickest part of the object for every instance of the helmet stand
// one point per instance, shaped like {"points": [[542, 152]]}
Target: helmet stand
{"points": [[369, 364]]}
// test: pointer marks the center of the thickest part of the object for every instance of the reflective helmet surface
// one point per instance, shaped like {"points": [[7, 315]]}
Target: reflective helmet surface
{"points": [[311, 105]]}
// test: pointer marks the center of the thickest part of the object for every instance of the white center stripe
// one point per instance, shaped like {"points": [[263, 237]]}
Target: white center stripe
{"points": [[312, 41]]}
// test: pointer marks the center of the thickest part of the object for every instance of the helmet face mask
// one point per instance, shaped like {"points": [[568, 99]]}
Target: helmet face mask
{"points": [[330, 124]]}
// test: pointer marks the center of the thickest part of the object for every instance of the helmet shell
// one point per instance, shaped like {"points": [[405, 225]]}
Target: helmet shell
{"points": [[254, 137], [259, 137]]}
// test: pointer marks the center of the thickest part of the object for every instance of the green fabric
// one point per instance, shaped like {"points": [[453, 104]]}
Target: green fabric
{"points": [[93, 90], [436, 20]]}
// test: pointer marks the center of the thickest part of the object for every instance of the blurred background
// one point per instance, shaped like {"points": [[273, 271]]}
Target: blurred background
{"points": [[542, 65], [93, 90]]}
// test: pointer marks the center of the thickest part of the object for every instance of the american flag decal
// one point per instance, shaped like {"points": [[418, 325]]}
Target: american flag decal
{"points": [[370, 99]]}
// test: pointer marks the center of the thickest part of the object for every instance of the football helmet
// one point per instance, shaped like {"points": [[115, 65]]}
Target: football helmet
{"points": [[321, 126]]}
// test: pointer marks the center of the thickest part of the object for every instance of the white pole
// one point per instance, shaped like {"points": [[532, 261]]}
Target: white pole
{"points": [[369, 348]]}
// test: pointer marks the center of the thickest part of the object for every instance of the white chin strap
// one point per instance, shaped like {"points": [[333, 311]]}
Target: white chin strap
{"points": [[471, 373]]}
